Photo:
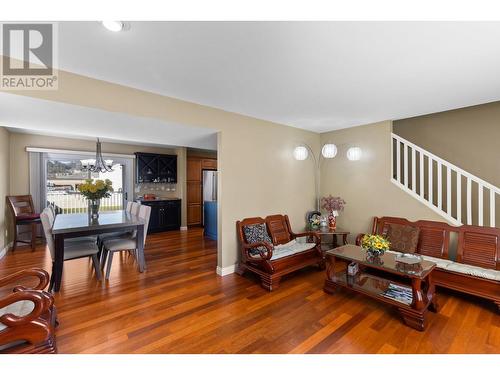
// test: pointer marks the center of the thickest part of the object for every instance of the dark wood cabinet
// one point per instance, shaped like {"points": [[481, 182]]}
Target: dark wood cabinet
{"points": [[155, 168], [194, 174], [165, 215]]}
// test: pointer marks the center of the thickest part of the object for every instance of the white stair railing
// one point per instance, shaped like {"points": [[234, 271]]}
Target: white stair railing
{"points": [[457, 195]]}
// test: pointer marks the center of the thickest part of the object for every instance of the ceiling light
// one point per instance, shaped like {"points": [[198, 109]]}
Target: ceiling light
{"points": [[113, 25], [329, 151], [300, 153], [354, 153]]}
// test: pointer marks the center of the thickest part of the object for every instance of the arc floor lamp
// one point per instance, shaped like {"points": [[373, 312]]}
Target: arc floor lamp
{"points": [[328, 151]]}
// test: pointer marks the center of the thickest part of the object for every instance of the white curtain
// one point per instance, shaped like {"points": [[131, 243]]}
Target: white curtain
{"points": [[36, 180]]}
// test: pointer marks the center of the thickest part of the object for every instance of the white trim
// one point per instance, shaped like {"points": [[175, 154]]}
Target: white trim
{"points": [[450, 218], [223, 271], [183, 228], [5, 249], [73, 152], [448, 164]]}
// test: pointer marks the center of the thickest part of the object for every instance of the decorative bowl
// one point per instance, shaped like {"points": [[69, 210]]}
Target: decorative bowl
{"points": [[409, 258]]}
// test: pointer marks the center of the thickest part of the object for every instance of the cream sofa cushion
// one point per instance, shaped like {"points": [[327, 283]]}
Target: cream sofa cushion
{"points": [[19, 308], [290, 248], [467, 269], [440, 263]]}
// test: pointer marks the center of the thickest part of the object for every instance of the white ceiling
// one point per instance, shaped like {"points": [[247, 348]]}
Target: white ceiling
{"points": [[314, 75], [35, 116]]}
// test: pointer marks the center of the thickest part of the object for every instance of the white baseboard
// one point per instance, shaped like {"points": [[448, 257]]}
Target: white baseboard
{"points": [[5, 249], [223, 271], [184, 228]]}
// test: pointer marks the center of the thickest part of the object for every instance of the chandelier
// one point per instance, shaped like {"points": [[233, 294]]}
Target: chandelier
{"points": [[98, 164]]}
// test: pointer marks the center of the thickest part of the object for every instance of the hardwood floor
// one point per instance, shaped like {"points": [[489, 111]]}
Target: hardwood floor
{"points": [[179, 305]]}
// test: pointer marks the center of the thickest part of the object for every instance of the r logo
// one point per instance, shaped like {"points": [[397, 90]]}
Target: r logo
{"points": [[28, 49]]}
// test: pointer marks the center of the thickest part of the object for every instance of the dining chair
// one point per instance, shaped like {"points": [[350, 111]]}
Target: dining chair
{"points": [[125, 243], [130, 207], [74, 249], [23, 212]]}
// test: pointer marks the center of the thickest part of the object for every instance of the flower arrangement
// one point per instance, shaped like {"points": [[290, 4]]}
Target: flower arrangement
{"points": [[375, 244], [331, 203], [96, 190]]}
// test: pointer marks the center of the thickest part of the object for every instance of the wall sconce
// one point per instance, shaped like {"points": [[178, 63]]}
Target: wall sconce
{"points": [[354, 153]]}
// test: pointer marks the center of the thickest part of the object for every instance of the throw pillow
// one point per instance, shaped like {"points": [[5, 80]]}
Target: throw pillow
{"points": [[403, 238], [257, 233]]}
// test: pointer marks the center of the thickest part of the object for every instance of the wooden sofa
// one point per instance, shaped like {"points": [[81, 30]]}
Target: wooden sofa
{"points": [[27, 315], [476, 269], [279, 257]]}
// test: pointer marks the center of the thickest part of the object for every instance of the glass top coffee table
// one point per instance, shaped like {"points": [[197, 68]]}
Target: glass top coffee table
{"points": [[410, 288]]}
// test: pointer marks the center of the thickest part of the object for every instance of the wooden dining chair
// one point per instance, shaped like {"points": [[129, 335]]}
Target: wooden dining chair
{"points": [[23, 212], [125, 243], [74, 249]]}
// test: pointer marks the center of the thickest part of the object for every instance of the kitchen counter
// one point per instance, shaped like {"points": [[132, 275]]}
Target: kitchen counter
{"points": [[140, 200]]}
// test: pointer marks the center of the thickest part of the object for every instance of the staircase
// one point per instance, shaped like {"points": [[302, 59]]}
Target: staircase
{"points": [[456, 195]]}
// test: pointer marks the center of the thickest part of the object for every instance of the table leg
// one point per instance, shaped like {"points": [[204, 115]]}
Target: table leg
{"points": [[344, 239], [431, 294], [57, 269], [414, 316], [334, 241], [140, 248], [330, 286]]}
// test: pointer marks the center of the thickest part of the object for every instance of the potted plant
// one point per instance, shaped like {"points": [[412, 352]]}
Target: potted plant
{"points": [[94, 192], [333, 205], [374, 244]]}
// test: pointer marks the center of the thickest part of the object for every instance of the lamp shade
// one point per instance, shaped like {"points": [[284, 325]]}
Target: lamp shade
{"points": [[300, 153], [329, 151], [354, 153]]}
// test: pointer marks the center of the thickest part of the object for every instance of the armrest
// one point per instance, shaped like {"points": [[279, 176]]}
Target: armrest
{"points": [[41, 301], [359, 237], [317, 239], [263, 255], [42, 275]]}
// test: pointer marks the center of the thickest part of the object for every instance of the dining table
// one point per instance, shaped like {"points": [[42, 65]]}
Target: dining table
{"points": [[82, 225]]}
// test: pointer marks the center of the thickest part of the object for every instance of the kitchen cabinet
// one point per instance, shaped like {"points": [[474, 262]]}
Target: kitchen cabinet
{"points": [[155, 168], [194, 185], [165, 215]]}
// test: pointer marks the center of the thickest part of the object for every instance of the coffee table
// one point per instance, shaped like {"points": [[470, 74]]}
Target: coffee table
{"points": [[377, 274]]}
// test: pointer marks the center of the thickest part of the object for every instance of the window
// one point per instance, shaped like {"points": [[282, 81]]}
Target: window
{"points": [[63, 174]]}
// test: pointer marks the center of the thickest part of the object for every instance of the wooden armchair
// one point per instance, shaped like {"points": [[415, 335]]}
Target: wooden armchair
{"points": [[23, 214], [27, 315], [272, 260]]}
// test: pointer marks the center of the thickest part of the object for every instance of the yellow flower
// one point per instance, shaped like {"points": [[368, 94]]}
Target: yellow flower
{"points": [[93, 188]]}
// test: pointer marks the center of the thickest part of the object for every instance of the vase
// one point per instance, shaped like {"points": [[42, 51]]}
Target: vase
{"points": [[332, 220], [375, 252], [94, 208]]}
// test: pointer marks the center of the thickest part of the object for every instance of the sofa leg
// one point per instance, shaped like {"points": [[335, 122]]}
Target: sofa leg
{"points": [[270, 283], [241, 269], [498, 306]]}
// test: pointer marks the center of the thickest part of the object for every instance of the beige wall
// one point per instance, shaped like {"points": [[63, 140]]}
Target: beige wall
{"points": [[19, 165], [365, 184], [4, 186], [467, 137], [258, 174]]}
